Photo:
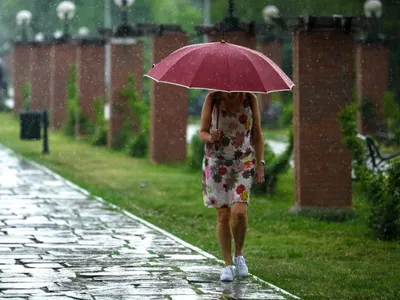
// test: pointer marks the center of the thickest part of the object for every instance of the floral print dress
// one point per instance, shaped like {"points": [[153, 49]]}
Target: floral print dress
{"points": [[228, 170]]}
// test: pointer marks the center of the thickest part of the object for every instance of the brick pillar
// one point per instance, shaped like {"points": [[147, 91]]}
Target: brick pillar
{"points": [[40, 76], [90, 75], [241, 38], [126, 59], [372, 82], [63, 55], [169, 107], [273, 50], [20, 72], [323, 69]]}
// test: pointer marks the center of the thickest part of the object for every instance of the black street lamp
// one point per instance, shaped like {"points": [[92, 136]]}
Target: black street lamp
{"points": [[66, 12], [270, 13], [231, 22], [125, 29], [39, 37], [24, 18], [373, 12], [83, 32]]}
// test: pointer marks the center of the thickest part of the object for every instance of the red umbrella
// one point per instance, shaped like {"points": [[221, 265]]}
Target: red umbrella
{"points": [[221, 66]]}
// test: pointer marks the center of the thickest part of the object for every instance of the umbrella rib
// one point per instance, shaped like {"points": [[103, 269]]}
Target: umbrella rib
{"points": [[198, 68], [282, 74], [290, 83], [176, 62], [181, 57], [252, 65]]}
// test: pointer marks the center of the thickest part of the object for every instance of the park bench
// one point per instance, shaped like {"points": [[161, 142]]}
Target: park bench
{"points": [[376, 160]]}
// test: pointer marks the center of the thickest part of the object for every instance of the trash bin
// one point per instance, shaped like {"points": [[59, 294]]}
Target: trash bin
{"points": [[31, 123]]}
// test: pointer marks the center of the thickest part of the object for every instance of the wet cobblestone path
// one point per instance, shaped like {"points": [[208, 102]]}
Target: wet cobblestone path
{"points": [[57, 242]]}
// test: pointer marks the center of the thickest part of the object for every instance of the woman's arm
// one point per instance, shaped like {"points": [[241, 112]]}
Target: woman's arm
{"points": [[205, 123], [258, 139], [256, 131]]}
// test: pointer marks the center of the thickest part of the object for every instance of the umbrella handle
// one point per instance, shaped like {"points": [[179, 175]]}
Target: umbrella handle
{"points": [[216, 103]]}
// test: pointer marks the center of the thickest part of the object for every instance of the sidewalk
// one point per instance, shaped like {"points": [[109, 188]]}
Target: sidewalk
{"points": [[58, 242]]}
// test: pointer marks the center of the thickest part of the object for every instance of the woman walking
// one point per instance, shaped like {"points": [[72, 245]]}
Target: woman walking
{"points": [[234, 151]]}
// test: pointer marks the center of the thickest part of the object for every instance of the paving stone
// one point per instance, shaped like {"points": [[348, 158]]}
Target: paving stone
{"points": [[116, 274], [7, 261], [131, 298], [12, 269], [50, 298], [56, 243], [104, 291], [25, 285], [32, 279], [50, 240], [13, 240], [13, 245], [192, 297], [45, 266], [15, 255], [19, 292]]}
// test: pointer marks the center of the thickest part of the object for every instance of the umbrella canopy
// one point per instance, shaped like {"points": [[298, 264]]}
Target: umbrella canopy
{"points": [[223, 67]]}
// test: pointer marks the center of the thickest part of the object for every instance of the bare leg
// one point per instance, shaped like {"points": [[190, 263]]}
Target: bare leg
{"points": [[239, 226], [224, 234]]}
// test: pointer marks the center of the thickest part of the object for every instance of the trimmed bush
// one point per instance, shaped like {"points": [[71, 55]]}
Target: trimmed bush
{"points": [[197, 152], [138, 145], [274, 166], [72, 103], [382, 191], [100, 126], [135, 143]]}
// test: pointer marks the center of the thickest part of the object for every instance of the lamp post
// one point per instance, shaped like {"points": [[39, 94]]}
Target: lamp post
{"points": [[232, 23], [58, 34], [66, 12], [124, 29], [372, 72], [39, 37], [373, 8], [271, 46], [373, 12], [24, 18], [83, 32], [270, 12]]}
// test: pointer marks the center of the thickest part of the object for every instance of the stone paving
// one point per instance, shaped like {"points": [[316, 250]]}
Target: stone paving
{"points": [[58, 242]]}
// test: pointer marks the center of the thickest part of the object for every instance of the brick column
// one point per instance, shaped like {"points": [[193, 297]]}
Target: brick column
{"points": [[126, 59], [274, 51], [90, 75], [372, 83], [20, 72], [323, 69], [169, 107], [63, 55], [40, 76], [241, 38]]}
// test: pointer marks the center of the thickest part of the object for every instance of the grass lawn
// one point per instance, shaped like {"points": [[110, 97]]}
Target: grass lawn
{"points": [[278, 134], [307, 257]]}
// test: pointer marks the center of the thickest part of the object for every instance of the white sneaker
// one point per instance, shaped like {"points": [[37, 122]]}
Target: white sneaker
{"points": [[228, 273], [241, 267]]}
